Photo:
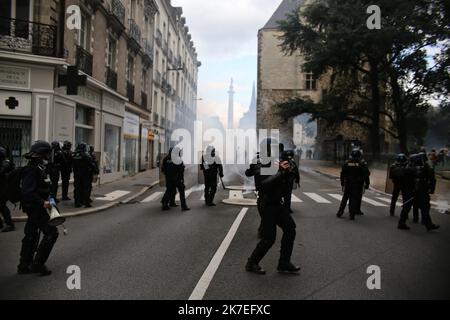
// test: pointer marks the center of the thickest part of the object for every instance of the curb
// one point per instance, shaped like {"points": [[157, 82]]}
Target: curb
{"points": [[98, 209]]}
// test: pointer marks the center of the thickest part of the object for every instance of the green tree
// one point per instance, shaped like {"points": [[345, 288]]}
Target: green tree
{"points": [[369, 69]]}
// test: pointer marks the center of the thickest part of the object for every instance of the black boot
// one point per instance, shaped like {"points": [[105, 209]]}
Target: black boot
{"points": [[165, 207], [432, 227], [253, 267], [23, 269], [185, 208], [339, 214], [9, 228], [403, 226], [288, 268], [41, 269]]}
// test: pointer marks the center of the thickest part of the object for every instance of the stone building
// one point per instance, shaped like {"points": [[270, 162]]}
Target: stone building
{"points": [[282, 77]]}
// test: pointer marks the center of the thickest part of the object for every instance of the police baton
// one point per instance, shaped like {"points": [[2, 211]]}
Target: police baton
{"points": [[223, 185], [410, 200]]}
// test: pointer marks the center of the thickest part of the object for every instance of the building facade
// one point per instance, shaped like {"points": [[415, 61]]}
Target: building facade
{"points": [[117, 110]]}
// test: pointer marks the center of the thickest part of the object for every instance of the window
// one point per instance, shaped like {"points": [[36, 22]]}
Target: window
{"points": [[144, 80], [310, 81], [15, 9], [130, 70], [112, 50], [84, 40], [111, 150]]}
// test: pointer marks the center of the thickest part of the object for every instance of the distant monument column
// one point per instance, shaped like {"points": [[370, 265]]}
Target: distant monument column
{"points": [[231, 106]]}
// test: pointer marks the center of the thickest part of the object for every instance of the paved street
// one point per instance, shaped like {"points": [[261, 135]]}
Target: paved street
{"points": [[136, 251]]}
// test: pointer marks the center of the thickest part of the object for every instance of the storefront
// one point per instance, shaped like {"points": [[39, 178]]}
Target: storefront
{"points": [[113, 109], [131, 136], [26, 115]]}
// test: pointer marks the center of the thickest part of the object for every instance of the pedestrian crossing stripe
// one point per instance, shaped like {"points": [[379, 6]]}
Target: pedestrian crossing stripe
{"points": [[187, 193], [295, 199], [399, 203], [113, 195], [153, 197], [373, 202], [316, 197], [336, 196]]}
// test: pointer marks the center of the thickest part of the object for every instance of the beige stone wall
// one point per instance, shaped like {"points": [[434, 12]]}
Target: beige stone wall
{"points": [[100, 47]]}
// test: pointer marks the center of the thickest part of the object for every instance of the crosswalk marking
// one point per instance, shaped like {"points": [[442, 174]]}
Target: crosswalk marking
{"points": [[187, 194], [316, 197], [153, 197], [399, 202], [295, 199], [336, 196], [373, 202], [113, 195]]}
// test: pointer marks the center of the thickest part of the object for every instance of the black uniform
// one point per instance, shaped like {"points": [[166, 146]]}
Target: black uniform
{"points": [[82, 172], [54, 168], [211, 169], [270, 206], [393, 174], [406, 181], [35, 191], [5, 167], [174, 180], [66, 169], [95, 171], [355, 177], [293, 178]]}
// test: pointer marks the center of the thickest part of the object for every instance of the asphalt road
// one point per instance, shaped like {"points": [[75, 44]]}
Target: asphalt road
{"points": [[136, 251]]}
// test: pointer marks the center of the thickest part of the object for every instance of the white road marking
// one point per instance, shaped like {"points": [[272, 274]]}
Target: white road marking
{"points": [[205, 280], [316, 197], [153, 197], [336, 196], [187, 193], [202, 198], [373, 202], [113, 195], [399, 202], [295, 199]]}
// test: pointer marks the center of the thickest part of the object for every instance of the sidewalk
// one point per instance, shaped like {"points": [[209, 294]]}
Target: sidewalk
{"points": [[110, 194], [378, 177]]}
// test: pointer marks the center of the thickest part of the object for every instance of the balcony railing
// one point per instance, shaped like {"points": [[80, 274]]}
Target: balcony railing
{"points": [[156, 118], [165, 47], [144, 100], [26, 36], [135, 31], [130, 91], [148, 50], [84, 60], [111, 78], [164, 85], [118, 10], [158, 37]]}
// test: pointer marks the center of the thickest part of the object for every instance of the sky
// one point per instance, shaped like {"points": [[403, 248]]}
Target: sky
{"points": [[225, 34]]}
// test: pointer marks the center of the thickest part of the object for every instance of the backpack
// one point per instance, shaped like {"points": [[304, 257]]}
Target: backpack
{"points": [[14, 185]]}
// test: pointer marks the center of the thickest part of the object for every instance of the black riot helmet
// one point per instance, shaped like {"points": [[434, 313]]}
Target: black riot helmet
{"points": [[82, 147], [39, 150], [2, 153], [67, 145], [91, 149], [211, 151], [56, 146], [402, 159], [356, 154], [418, 160]]}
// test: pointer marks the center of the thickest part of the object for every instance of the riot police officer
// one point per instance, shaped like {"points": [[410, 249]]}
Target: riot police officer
{"points": [[270, 207], [95, 171], [211, 167], [294, 177], [82, 170], [54, 168], [421, 183], [395, 174], [35, 202], [6, 167], [355, 177], [173, 168], [66, 169]]}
